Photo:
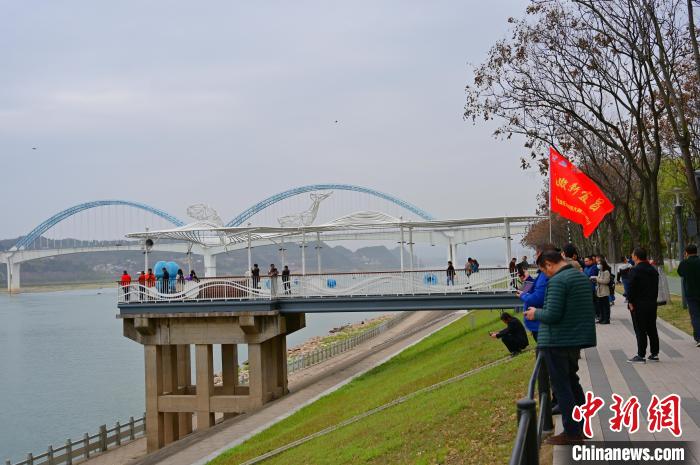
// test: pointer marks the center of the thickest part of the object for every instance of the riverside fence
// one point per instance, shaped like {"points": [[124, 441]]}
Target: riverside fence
{"points": [[76, 451]]}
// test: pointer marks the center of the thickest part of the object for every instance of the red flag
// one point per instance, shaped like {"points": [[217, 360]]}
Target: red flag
{"points": [[574, 196]]}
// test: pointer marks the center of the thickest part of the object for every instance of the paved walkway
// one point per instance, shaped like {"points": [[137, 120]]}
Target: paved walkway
{"points": [[305, 386], [605, 370]]}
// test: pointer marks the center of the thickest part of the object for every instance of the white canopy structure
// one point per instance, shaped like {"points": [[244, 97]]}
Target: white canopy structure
{"points": [[211, 239]]}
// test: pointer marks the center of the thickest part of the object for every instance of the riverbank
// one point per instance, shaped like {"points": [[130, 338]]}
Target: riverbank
{"points": [[334, 335], [60, 287]]}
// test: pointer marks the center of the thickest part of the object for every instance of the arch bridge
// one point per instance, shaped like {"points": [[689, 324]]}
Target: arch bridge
{"points": [[34, 245]]}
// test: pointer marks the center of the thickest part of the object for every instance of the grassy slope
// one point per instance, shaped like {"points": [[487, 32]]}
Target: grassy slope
{"points": [[471, 421], [675, 314]]}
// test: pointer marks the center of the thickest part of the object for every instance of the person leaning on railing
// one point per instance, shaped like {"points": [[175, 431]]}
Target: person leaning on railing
{"points": [[567, 325]]}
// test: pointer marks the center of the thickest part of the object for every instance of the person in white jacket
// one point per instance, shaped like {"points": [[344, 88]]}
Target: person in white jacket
{"points": [[602, 291]]}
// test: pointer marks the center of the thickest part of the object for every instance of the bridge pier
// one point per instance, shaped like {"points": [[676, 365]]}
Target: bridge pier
{"points": [[172, 399], [209, 265], [13, 270]]}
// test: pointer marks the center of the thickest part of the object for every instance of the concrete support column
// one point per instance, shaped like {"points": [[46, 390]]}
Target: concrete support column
{"points": [[205, 385], [154, 388], [229, 365], [209, 265], [282, 363], [12, 276], [170, 385], [255, 374], [184, 381]]}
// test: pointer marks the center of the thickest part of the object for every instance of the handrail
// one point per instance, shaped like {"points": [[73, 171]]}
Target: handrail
{"points": [[263, 273], [417, 282], [531, 424], [85, 447]]}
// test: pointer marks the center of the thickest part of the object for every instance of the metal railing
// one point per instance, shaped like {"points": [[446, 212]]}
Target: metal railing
{"points": [[531, 424], [89, 445], [382, 283]]}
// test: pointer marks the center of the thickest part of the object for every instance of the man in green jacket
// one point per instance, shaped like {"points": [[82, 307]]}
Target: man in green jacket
{"points": [[689, 270], [567, 325]]}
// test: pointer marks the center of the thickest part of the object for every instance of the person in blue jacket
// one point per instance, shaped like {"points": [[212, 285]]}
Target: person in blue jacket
{"points": [[534, 298]]}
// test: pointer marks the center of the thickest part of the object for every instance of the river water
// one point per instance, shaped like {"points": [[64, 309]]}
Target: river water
{"points": [[65, 367]]}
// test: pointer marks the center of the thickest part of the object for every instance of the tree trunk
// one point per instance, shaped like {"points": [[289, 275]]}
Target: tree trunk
{"points": [[653, 217], [694, 38]]}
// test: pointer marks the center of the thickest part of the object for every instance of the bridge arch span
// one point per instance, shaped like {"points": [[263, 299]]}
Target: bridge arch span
{"points": [[60, 216], [263, 204]]}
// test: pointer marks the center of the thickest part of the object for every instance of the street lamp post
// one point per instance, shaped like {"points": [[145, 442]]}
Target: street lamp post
{"points": [[678, 209]]}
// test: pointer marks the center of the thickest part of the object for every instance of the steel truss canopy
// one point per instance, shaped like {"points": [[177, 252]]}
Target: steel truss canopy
{"points": [[364, 225]]}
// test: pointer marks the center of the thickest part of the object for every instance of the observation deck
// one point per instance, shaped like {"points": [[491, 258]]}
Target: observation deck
{"points": [[322, 293]]}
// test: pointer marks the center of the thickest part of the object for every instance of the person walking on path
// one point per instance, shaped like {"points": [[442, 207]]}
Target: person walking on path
{"points": [[450, 274], [571, 256], [513, 335], [642, 293], [255, 273], [126, 285], [602, 291], [285, 280], [689, 270], [566, 326], [623, 272]]}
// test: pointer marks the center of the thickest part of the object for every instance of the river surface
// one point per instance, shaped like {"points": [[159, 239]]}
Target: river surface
{"points": [[65, 367]]}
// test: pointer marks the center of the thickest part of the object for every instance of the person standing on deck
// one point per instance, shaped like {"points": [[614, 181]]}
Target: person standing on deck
{"points": [[524, 263], [450, 274], [566, 326], [285, 280], [643, 291], [142, 284], [126, 285], [689, 270], [273, 273], [513, 269], [165, 283], [255, 273]]}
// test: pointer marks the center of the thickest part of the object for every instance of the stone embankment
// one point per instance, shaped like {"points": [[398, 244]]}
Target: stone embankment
{"points": [[335, 334]]}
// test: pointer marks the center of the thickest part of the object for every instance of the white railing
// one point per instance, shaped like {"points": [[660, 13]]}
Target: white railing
{"points": [[382, 283]]}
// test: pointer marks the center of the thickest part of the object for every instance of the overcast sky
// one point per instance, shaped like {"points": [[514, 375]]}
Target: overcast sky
{"points": [[174, 103]]}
